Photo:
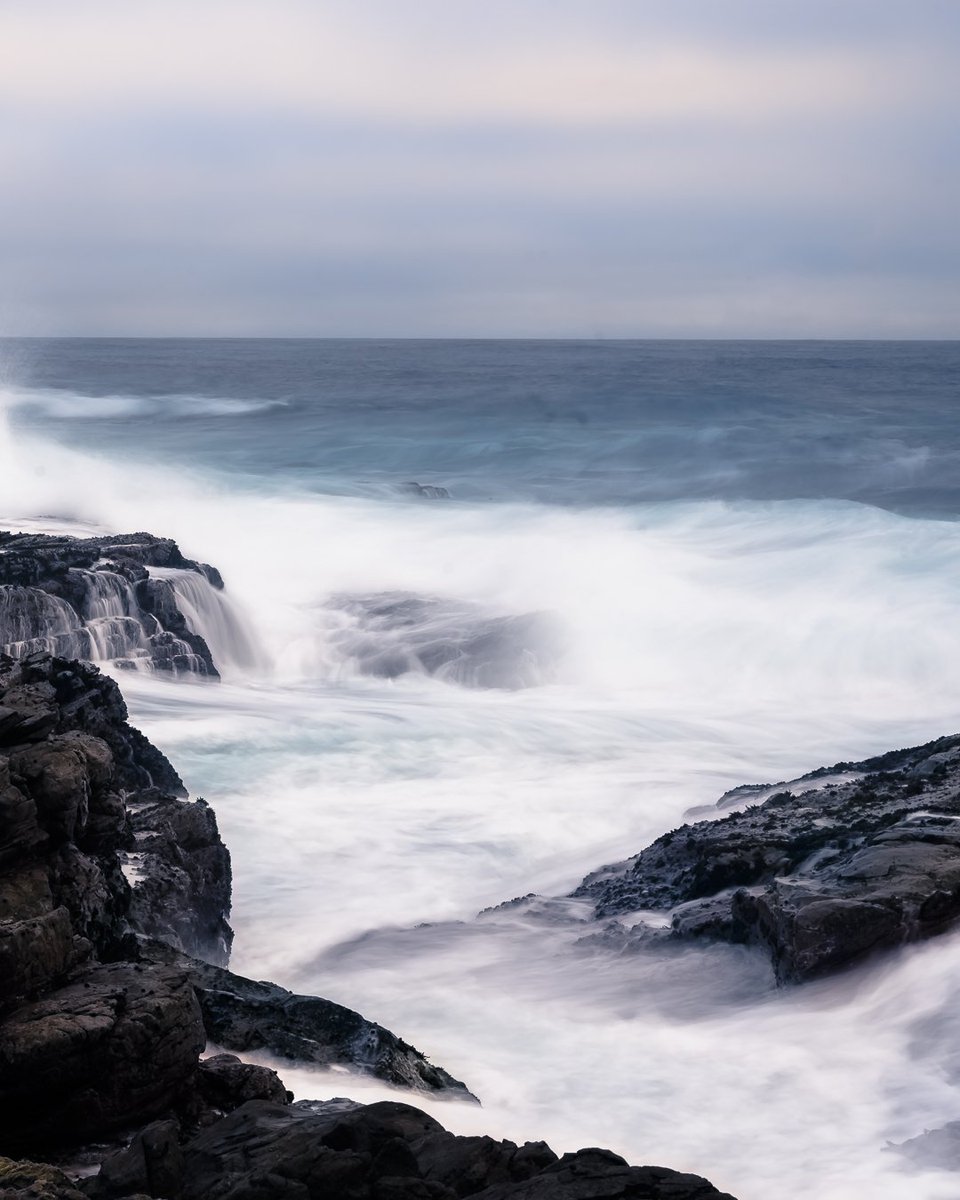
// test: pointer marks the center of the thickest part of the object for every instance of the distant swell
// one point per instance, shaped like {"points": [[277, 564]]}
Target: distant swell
{"points": [[73, 406]]}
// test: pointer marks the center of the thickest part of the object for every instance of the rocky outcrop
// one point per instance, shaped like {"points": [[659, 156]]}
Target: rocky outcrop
{"points": [[846, 861], [97, 837], [244, 1015], [112, 887], [387, 1151], [95, 598], [115, 1045]]}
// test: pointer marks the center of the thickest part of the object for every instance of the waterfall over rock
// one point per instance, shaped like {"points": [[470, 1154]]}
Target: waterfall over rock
{"points": [[132, 600]]}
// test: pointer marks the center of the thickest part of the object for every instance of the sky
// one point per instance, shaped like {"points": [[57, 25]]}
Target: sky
{"points": [[480, 168]]}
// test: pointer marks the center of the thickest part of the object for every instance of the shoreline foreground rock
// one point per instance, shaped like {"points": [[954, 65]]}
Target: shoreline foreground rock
{"points": [[114, 935], [820, 873]]}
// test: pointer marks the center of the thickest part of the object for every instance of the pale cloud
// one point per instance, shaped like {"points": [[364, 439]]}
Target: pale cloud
{"points": [[318, 59], [452, 167]]}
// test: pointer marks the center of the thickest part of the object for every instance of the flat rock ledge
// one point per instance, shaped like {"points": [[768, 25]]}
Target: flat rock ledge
{"points": [[822, 872]]}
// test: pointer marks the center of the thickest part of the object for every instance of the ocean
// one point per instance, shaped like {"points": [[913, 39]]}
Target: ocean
{"points": [[503, 612]]}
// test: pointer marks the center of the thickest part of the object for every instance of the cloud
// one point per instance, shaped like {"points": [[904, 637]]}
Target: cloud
{"points": [[543, 168]]}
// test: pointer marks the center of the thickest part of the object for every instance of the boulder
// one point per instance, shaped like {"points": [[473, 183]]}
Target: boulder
{"points": [[859, 857], [114, 1046], [244, 1014]]}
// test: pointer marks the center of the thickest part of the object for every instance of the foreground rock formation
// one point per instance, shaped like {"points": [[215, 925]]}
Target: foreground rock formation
{"points": [[846, 861], [96, 598], [114, 889]]}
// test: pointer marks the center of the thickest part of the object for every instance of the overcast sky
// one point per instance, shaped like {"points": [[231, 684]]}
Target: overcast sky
{"points": [[619, 168]]}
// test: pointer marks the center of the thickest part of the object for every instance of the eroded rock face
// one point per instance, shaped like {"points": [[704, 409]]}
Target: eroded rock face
{"points": [[376, 1151], [115, 1045], [819, 876], [94, 598], [84, 795], [245, 1015], [107, 877]]}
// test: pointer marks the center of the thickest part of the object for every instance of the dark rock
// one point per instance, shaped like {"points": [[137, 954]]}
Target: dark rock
{"points": [[152, 1164], [183, 879], [934, 1149], [392, 1150], [94, 598], [243, 1014], [465, 1165], [425, 491], [869, 859], [114, 1046], [600, 1175], [63, 797], [226, 1082]]}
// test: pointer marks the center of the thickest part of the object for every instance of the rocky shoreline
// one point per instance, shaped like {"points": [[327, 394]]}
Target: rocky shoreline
{"points": [[820, 873], [114, 935]]}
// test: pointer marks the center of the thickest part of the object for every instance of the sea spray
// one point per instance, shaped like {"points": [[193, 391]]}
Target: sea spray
{"points": [[707, 641]]}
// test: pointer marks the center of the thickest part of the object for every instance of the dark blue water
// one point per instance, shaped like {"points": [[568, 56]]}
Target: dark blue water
{"points": [[562, 422]]}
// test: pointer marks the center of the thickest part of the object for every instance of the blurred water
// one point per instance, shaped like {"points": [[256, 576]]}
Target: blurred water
{"points": [[688, 521]]}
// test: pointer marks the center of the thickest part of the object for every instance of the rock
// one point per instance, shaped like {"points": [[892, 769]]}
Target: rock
{"points": [[181, 876], [94, 598], [35, 1181], [934, 1149], [426, 491], [63, 797], [114, 1046], [375, 1151], [152, 1164], [868, 860], [226, 1082], [242, 1014], [600, 1175]]}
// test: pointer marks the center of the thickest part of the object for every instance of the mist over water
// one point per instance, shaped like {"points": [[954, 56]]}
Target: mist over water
{"points": [[677, 591]]}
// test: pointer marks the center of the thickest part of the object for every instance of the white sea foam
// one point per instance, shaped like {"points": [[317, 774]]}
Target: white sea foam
{"points": [[75, 406], [707, 645]]}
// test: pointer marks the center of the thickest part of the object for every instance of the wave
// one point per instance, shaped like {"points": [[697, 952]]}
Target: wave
{"points": [[61, 405], [701, 644], [802, 605]]}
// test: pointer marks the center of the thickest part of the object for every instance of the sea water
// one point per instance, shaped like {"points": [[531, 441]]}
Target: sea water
{"points": [[662, 570]]}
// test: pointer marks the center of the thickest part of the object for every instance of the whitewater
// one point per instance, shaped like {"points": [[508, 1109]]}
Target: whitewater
{"points": [[684, 583]]}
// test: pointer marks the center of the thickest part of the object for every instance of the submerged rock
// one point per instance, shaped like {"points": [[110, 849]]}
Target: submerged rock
{"points": [[862, 857], [426, 491], [389, 634]]}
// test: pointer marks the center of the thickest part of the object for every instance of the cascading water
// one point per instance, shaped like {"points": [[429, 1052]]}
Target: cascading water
{"points": [[211, 615], [119, 629], [108, 623], [32, 621]]}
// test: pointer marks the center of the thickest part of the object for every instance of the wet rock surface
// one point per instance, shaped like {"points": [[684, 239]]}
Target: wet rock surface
{"points": [[384, 1150], [852, 859], [113, 888], [95, 598], [248, 1015]]}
